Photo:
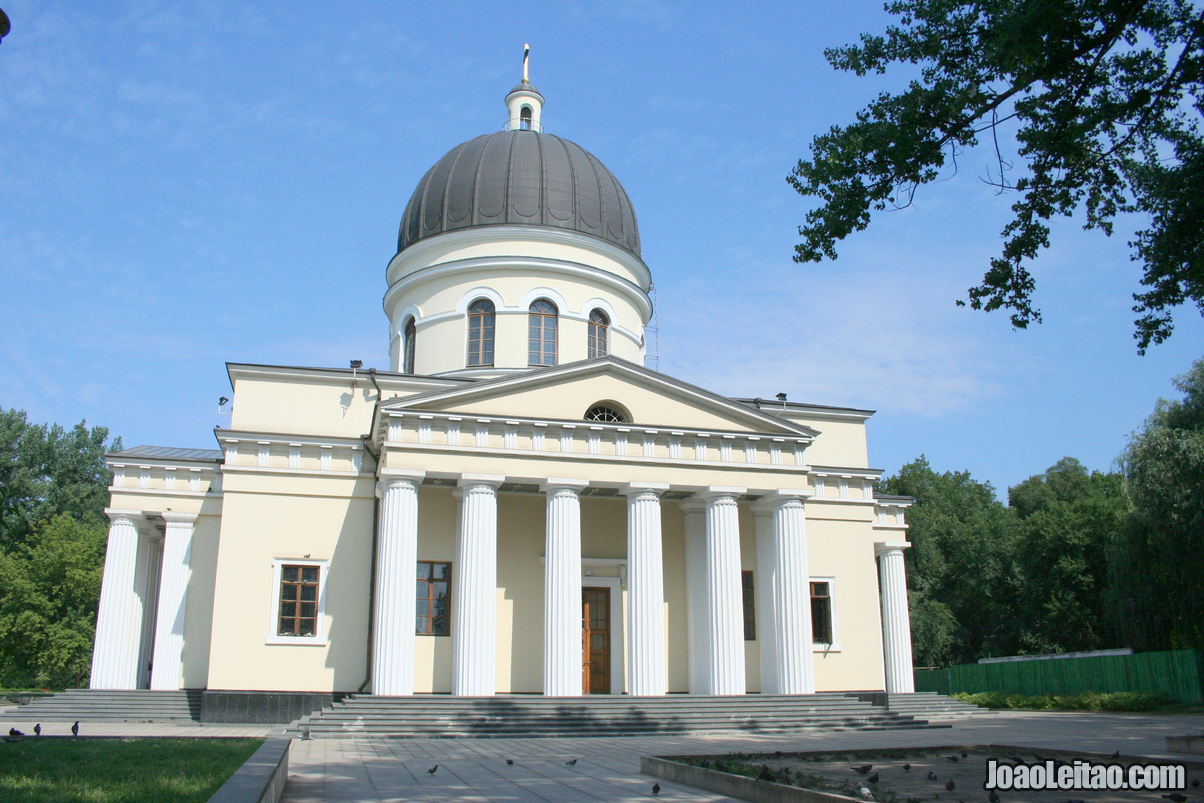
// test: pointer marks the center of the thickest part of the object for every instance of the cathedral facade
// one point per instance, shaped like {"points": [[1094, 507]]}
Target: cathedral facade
{"points": [[518, 505]]}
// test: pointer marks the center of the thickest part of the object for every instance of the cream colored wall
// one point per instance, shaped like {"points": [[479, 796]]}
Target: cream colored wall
{"points": [[841, 443], [436, 541], [748, 563], [270, 517], [841, 545], [570, 399], [334, 407]]}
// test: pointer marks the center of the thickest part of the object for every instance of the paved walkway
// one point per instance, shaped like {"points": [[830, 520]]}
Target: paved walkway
{"points": [[609, 768]]}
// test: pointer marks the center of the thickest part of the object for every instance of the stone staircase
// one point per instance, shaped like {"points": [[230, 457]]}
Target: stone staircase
{"points": [[927, 704], [99, 705], [444, 716]]}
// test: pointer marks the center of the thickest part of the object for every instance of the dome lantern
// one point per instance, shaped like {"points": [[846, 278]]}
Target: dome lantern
{"points": [[524, 102]]}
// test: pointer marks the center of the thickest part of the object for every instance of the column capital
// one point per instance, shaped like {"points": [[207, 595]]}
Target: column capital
{"points": [[414, 474], [396, 477], [134, 517], [467, 480], [886, 547], [563, 484], [638, 488], [717, 491], [692, 504], [782, 496], [172, 517]]}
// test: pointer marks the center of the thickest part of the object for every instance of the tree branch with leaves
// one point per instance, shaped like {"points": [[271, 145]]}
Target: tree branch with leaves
{"points": [[1106, 99]]}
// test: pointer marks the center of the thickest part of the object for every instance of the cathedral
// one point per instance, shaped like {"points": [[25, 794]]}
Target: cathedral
{"points": [[518, 505]]}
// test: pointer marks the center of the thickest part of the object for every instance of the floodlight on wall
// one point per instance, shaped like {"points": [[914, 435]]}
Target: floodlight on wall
{"points": [[357, 364], [781, 397], [222, 408]]}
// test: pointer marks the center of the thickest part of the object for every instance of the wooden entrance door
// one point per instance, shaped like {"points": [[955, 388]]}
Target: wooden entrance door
{"points": [[595, 640]]}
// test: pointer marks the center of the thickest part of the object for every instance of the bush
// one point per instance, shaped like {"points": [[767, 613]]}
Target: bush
{"points": [[1085, 701]]}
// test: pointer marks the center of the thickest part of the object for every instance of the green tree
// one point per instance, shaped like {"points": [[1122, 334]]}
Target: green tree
{"points": [[962, 581], [53, 490], [1103, 98], [49, 587], [48, 470], [1069, 518], [1157, 560]]}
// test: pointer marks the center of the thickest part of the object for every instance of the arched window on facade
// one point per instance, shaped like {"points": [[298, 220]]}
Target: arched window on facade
{"points": [[599, 332], [480, 333], [408, 336], [524, 118], [541, 333], [607, 413]]}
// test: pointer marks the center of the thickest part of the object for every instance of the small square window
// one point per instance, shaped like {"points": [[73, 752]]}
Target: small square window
{"points": [[298, 602]]}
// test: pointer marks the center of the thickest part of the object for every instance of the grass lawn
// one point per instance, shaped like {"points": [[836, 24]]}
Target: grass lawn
{"points": [[99, 770]]}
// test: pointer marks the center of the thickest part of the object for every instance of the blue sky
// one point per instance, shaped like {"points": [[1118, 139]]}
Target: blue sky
{"points": [[186, 184]]}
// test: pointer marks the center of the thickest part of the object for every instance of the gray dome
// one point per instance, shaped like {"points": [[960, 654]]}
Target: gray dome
{"points": [[520, 177]]}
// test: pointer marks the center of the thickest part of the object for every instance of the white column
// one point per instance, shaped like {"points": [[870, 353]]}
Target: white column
{"points": [[119, 618], [393, 614], [562, 656], [896, 621], [697, 601], [724, 590], [764, 581], [791, 594], [474, 587], [646, 666], [173, 593]]}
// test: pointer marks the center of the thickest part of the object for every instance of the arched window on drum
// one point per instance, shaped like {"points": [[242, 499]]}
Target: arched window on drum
{"points": [[408, 337], [480, 333], [541, 333], [598, 344]]}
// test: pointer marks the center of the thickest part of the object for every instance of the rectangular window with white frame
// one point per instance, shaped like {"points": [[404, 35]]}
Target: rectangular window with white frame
{"points": [[298, 602]]}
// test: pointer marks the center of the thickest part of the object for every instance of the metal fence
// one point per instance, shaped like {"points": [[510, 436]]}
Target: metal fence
{"points": [[1177, 673]]}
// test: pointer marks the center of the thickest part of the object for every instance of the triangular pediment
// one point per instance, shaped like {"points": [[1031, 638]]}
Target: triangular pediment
{"points": [[566, 392]]}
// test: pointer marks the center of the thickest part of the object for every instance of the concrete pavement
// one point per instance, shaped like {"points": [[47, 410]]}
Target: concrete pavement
{"points": [[607, 768]]}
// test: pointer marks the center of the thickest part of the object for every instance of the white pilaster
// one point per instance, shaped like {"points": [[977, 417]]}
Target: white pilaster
{"points": [[896, 621], [393, 645], [791, 589], [723, 588], [697, 600], [646, 666], [119, 618], [765, 579], [173, 599], [562, 657], [474, 587]]}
